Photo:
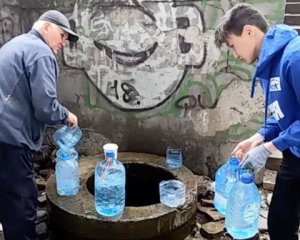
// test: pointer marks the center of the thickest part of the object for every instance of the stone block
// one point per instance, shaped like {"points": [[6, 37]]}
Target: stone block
{"points": [[269, 180]]}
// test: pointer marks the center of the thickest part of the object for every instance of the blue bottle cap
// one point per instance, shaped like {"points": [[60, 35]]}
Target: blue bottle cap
{"points": [[63, 155], [110, 154], [234, 161], [246, 177]]}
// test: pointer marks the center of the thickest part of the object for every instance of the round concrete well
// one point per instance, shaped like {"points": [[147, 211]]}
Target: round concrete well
{"points": [[144, 216]]}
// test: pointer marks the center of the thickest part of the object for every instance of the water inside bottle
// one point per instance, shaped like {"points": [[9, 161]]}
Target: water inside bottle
{"points": [[110, 187], [110, 195], [242, 213], [225, 178], [66, 173]]}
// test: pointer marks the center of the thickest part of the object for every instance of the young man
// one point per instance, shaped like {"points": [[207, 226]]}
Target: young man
{"points": [[28, 101], [277, 51]]}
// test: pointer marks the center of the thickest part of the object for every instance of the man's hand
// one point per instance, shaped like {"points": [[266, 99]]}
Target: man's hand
{"points": [[256, 158], [72, 120], [245, 146]]}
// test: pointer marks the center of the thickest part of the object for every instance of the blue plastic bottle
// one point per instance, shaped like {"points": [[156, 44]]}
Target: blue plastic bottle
{"points": [[110, 186], [243, 207], [226, 176], [66, 172], [66, 137]]}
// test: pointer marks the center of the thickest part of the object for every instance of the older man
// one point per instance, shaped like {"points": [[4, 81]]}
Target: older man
{"points": [[28, 101]]}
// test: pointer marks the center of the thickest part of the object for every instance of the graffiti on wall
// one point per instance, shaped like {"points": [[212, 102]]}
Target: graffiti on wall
{"points": [[6, 30], [136, 54], [10, 25]]}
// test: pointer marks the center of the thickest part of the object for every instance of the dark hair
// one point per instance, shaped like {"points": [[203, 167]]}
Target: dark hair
{"points": [[235, 19]]}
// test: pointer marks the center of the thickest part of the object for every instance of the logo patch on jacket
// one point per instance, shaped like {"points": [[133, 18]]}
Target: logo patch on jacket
{"points": [[275, 110], [275, 84]]}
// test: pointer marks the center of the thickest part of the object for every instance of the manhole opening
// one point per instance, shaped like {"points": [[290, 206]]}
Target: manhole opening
{"points": [[142, 184]]}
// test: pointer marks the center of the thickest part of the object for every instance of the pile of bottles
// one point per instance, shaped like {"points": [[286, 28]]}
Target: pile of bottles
{"points": [[66, 169], [237, 197], [110, 184]]}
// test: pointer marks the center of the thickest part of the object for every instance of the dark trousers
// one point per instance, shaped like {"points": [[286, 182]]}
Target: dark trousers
{"points": [[284, 212], [18, 193]]}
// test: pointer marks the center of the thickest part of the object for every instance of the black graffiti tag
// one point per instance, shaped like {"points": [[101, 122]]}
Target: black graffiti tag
{"points": [[190, 102], [6, 30], [130, 93]]}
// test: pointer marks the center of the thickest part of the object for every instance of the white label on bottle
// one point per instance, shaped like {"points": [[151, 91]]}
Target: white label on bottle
{"points": [[251, 212]]}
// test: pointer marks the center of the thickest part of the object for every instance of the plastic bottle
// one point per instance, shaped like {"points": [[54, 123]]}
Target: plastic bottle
{"points": [[226, 176], [66, 137], [110, 186], [172, 193], [66, 172], [173, 158], [243, 207]]}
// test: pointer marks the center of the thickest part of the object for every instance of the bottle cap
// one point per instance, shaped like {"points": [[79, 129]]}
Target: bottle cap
{"points": [[63, 155], [110, 154], [234, 161], [111, 147], [247, 177], [67, 154]]}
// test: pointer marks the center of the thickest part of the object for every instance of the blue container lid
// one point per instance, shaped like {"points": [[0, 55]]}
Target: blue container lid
{"points": [[246, 177], [63, 155], [66, 154], [110, 154], [234, 161]]}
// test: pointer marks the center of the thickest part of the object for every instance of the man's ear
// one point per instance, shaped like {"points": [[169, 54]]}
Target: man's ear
{"points": [[46, 27], [249, 30]]}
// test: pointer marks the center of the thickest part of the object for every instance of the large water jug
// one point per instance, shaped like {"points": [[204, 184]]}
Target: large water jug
{"points": [[226, 176], [110, 186], [67, 137], [243, 207], [66, 172]]}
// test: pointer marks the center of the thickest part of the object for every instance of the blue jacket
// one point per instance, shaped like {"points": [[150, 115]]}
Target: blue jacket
{"points": [[28, 99], [278, 70]]}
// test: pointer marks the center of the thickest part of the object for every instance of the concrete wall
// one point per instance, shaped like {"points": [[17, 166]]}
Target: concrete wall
{"points": [[147, 75]]}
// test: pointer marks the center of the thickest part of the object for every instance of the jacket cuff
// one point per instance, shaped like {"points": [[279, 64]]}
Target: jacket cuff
{"points": [[280, 144]]}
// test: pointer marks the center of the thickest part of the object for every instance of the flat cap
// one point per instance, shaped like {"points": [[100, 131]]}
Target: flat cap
{"points": [[60, 20]]}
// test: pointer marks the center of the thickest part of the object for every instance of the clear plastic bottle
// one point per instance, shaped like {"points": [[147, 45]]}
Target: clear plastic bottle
{"points": [[110, 186], [172, 193], [66, 172], [226, 176], [66, 137], [173, 158], [243, 207]]}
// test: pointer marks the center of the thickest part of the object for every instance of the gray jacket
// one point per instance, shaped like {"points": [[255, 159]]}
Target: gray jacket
{"points": [[28, 98]]}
